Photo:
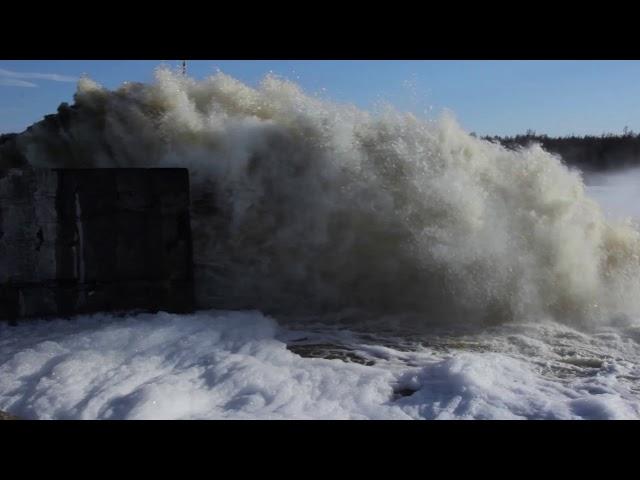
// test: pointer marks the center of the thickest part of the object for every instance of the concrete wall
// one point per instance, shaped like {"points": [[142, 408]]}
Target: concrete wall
{"points": [[78, 241]]}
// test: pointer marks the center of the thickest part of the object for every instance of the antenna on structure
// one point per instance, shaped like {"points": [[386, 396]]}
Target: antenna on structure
{"points": [[184, 68]]}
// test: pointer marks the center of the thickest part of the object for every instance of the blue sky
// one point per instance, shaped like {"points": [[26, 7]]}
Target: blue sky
{"points": [[488, 97]]}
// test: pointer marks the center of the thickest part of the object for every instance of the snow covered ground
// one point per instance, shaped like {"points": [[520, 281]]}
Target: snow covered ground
{"points": [[243, 365]]}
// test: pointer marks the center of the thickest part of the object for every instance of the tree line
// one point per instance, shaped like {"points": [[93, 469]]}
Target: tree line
{"points": [[588, 152]]}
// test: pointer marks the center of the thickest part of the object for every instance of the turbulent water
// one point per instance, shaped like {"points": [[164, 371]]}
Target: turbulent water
{"points": [[304, 206], [242, 365], [410, 270]]}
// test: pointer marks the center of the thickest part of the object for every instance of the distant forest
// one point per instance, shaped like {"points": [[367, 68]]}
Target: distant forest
{"points": [[588, 153]]}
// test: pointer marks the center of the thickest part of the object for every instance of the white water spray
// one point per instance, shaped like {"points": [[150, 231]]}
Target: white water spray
{"points": [[302, 205]]}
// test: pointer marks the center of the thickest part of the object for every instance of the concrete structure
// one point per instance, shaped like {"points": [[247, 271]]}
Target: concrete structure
{"points": [[85, 240]]}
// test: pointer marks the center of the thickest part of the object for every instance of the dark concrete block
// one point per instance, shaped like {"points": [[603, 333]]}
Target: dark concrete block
{"points": [[168, 196], [98, 251], [80, 240], [9, 302], [37, 300], [133, 191], [134, 246], [96, 193]]}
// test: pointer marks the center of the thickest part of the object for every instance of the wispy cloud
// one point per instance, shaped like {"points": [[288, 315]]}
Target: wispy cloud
{"points": [[15, 82], [9, 78]]}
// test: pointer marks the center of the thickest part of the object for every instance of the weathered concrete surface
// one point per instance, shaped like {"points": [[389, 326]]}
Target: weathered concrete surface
{"points": [[86, 240]]}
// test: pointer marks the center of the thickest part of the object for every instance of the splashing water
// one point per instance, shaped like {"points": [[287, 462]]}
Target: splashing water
{"points": [[300, 205]]}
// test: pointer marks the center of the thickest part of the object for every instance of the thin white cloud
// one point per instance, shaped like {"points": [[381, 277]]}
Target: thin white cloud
{"points": [[9, 78], [15, 82]]}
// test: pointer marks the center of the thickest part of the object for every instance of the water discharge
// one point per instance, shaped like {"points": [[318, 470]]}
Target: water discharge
{"points": [[300, 205]]}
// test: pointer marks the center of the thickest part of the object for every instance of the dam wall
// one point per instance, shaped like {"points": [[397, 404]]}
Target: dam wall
{"points": [[78, 241]]}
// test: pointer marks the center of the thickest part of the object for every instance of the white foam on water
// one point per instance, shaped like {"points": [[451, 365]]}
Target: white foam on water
{"points": [[236, 365]]}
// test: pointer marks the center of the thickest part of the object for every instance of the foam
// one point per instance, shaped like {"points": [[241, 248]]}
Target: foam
{"points": [[236, 365]]}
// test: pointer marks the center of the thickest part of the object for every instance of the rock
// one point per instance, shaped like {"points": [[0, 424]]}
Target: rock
{"points": [[85, 240]]}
